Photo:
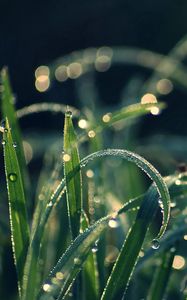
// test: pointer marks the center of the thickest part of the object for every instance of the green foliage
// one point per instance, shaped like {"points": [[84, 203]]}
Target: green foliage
{"points": [[88, 238]]}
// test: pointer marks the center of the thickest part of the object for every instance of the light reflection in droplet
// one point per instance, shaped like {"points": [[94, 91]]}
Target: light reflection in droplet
{"points": [[154, 110], [59, 275], [148, 98], [66, 157], [106, 118], [91, 134], [46, 287], [113, 223]]}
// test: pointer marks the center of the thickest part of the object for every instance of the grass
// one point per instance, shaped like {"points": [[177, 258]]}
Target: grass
{"points": [[98, 229]]}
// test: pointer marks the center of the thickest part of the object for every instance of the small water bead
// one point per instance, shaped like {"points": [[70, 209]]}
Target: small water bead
{"points": [[50, 204], [46, 287], [59, 275], [91, 134], [113, 223], [68, 113], [12, 177], [94, 248], [77, 261], [66, 157], [14, 145], [3, 142], [155, 244]]}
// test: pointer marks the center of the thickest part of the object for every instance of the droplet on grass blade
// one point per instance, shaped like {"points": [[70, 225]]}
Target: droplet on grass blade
{"points": [[12, 177], [155, 244]]}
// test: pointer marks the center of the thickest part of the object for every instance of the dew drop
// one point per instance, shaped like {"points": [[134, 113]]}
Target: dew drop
{"points": [[3, 142], [50, 204], [77, 261], [94, 249], [12, 177], [155, 244], [5, 130], [113, 223], [14, 144], [68, 113]]}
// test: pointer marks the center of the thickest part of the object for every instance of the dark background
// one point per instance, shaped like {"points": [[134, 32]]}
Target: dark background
{"points": [[35, 33]]}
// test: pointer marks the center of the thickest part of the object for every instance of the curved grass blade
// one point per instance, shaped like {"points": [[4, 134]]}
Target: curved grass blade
{"points": [[46, 106], [124, 114], [145, 214], [71, 262], [74, 184], [8, 110], [17, 208], [128, 112], [148, 169]]}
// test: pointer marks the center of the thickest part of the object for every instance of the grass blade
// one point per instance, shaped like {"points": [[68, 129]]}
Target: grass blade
{"points": [[73, 185], [71, 262], [8, 110], [161, 277], [118, 281], [90, 272], [17, 208], [148, 169]]}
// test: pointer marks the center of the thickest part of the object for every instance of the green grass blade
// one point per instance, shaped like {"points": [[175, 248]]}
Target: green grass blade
{"points": [[17, 207], [118, 281], [73, 185], [162, 275], [8, 110], [130, 111], [71, 262], [124, 114], [90, 271]]}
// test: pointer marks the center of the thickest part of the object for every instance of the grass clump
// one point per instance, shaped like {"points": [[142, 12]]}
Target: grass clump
{"points": [[87, 236]]}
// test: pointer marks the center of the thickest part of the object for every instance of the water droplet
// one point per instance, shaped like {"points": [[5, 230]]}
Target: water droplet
{"points": [[50, 204], [12, 177], [155, 244], [68, 113], [94, 249], [3, 142], [5, 130], [77, 261], [46, 287], [14, 144], [59, 275], [113, 223]]}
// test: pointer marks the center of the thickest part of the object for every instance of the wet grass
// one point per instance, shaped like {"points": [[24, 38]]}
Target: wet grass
{"points": [[105, 224]]}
